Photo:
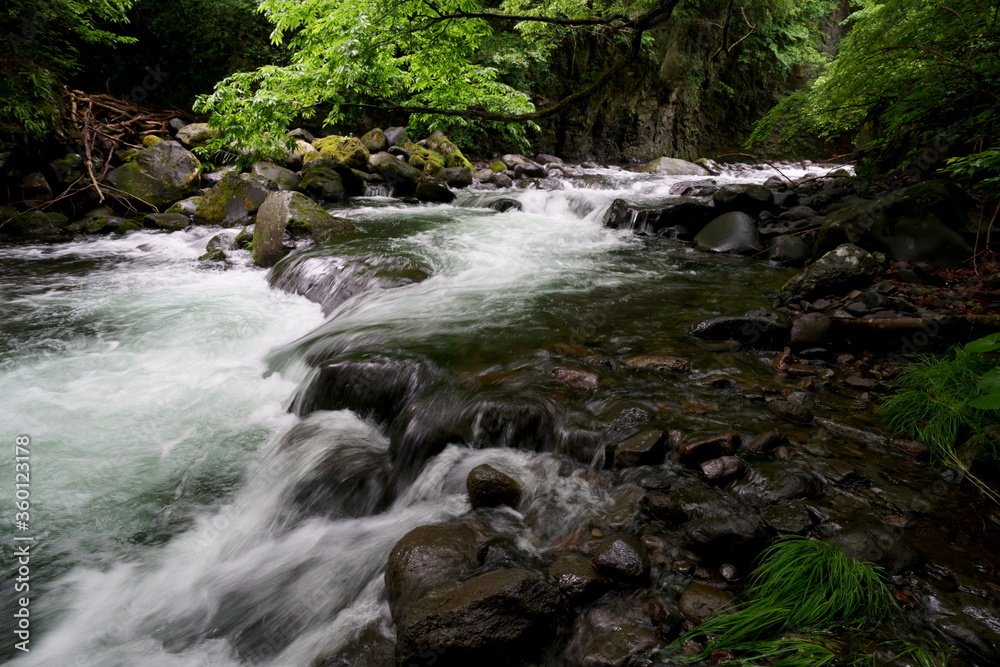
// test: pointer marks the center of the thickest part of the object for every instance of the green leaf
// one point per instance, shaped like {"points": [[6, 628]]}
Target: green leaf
{"points": [[987, 344], [987, 402]]}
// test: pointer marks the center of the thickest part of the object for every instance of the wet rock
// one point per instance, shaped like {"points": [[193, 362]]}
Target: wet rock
{"points": [[651, 218], [455, 177], [729, 534], [283, 179], [622, 558], [488, 487], [672, 167], [723, 468], [321, 181], [733, 232], [529, 170], [401, 176], [766, 442], [699, 602], [171, 222], [374, 385], [159, 175], [788, 250], [577, 579], [39, 226], [772, 482], [502, 553], [760, 328], [185, 207], [367, 648], [877, 544], [686, 499], [444, 146], [504, 205], [647, 448], [747, 197], [606, 638], [194, 135], [787, 519], [810, 329], [663, 364], [912, 448], [698, 450], [790, 411], [35, 189], [232, 201], [576, 378], [837, 271], [922, 223], [492, 619], [426, 558], [298, 215], [429, 191]]}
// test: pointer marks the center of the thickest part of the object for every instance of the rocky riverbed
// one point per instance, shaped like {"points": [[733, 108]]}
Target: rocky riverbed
{"points": [[591, 397]]}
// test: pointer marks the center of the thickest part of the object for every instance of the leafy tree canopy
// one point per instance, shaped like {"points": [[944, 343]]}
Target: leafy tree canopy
{"points": [[423, 57], [39, 50], [913, 78]]}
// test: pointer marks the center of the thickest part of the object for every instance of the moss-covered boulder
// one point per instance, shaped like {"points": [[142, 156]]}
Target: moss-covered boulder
{"points": [[346, 150], [298, 215], [105, 224], [320, 180], [424, 159], [171, 222], [185, 206], [159, 175], [375, 141], [401, 176], [35, 226], [196, 134], [283, 179], [671, 166], [151, 140], [452, 155], [232, 201]]}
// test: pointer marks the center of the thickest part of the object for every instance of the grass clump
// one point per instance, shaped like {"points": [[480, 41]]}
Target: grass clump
{"points": [[808, 603], [949, 402]]}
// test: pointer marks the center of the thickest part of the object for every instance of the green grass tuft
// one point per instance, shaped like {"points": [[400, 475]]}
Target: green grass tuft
{"points": [[808, 604]]}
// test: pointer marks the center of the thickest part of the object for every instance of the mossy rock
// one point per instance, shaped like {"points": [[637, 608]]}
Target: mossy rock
{"points": [[298, 215], [244, 239], [108, 224], [346, 150], [185, 206], [424, 159], [196, 134], [171, 222], [452, 155], [214, 255], [232, 201], [34, 226], [375, 141], [151, 140], [498, 167], [159, 175]]}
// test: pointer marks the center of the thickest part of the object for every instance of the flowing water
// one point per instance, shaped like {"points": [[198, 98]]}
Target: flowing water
{"points": [[199, 494]]}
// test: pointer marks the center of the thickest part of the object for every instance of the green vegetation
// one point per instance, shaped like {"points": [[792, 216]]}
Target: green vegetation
{"points": [[951, 403], [41, 50], [914, 81], [808, 603]]}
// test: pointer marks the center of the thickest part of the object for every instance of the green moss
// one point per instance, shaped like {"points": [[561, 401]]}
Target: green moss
{"points": [[424, 159], [151, 140], [453, 157], [498, 167], [347, 150]]}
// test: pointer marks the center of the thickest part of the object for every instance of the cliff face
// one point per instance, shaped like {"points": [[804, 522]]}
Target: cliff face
{"points": [[693, 92]]}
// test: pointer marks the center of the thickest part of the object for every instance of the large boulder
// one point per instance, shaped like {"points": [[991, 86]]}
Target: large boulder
{"points": [[33, 226], [346, 150], [426, 160], [401, 176], [733, 232], [836, 272], [759, 328], [196, 134], [498, 618], [283, 179], [691, 214], [374, 141], [444, 146], [293, 212], [671, 166], [921, 223], [747, 197], [434, 193], [320, 180], [455, 177], [232, 201], [489, 487], [159, 175]]}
